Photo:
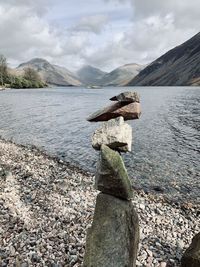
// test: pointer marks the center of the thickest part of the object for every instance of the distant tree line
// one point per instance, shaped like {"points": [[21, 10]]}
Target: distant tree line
{"points": [[3, 70], [29, 79]]}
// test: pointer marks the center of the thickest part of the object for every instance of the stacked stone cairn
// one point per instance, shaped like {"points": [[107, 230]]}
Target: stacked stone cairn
{"points": [[113, 239]]}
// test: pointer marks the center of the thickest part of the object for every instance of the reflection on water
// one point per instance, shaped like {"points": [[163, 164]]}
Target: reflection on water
{"points": [[166, 146]]}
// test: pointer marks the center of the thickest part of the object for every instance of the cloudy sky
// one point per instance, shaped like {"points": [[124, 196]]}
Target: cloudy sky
{"points": [[102, 33]]}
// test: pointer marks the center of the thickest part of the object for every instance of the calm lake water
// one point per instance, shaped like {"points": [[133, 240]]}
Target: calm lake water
{"points": [[166, 146]]}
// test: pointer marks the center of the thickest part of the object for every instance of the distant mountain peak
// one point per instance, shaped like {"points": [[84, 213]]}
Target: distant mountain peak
{"points": [[90, 75], [51, 74], [34, 61], [39, 60], [131, 64], [122, 75]]}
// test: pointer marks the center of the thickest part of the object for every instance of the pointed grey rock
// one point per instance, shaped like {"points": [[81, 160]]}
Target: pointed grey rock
{"points": [[113, 239], [115, 133], [111, 175], [128, 97]]}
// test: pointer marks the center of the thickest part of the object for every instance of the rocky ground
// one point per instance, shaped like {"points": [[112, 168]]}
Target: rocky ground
{"points": [[46, 207]]}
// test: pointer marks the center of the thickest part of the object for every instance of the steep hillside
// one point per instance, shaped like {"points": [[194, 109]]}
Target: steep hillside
{"points": [[121, 75], [51, 74], [179, 66]]}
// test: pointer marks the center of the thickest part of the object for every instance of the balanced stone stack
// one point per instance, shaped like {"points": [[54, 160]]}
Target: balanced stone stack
{"points": [[112, 240]]}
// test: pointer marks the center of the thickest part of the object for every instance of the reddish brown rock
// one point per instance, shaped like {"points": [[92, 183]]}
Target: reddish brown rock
{"points": [[129, 97], [127, 111]]}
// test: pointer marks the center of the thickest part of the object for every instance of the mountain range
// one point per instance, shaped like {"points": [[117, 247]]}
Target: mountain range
{"points": [[178, 67], [55, 75], [118, 77]]}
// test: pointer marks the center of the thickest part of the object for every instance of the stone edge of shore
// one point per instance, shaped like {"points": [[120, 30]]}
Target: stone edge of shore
{"points": [[72, 167]]}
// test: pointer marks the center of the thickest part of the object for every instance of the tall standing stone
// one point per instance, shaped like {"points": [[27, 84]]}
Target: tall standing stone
{"points": [[112, 241]]}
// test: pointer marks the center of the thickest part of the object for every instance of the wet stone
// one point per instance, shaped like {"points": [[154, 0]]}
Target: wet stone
{"points": [[111, 175]]}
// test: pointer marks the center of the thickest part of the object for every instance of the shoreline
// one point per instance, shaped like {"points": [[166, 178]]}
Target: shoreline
{"points": [[48, 204], [179, 203], [45, 154]]}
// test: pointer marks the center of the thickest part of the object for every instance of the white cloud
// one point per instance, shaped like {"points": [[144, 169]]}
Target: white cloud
{"points": [[142, 42], [156, 27], [106, 33], [95, 24], [36, 6], [23, 32]]}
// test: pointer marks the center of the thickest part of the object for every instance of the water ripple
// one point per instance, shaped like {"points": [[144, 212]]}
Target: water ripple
{"points": [[166, 145]]}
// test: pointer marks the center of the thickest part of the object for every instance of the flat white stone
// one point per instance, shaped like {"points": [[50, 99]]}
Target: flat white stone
{"points": [[114, 133]]}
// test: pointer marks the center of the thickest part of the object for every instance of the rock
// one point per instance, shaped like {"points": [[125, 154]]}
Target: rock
{"points": [[105, 114], [115, 133], [191, 257], [114, 236], [131, 111], [163, 264], [180, 244], [128, 97], [127, 111], [35, 258], [111, 175]]}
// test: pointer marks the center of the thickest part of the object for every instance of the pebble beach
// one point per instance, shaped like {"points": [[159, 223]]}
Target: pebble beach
{"points": [[46, 206]]}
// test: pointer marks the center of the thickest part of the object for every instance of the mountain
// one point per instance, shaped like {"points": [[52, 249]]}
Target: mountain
{"points": [[179, 66], [51, 74], [121, 75], [90, 75]]}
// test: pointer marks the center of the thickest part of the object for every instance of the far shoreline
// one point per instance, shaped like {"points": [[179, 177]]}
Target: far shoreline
{"points": [[91, 88]]}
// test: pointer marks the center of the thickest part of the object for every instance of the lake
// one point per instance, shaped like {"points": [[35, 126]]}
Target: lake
{"points": [[166, 140]]}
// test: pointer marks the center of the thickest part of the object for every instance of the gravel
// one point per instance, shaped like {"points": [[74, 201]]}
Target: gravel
{"points": [[46, 206]]}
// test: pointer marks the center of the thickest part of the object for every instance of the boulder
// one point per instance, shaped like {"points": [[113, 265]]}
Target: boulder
{"points": [[114, 133], [113, 239], [127, 111], [128, 97], [191, 257], [111, 175]]}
